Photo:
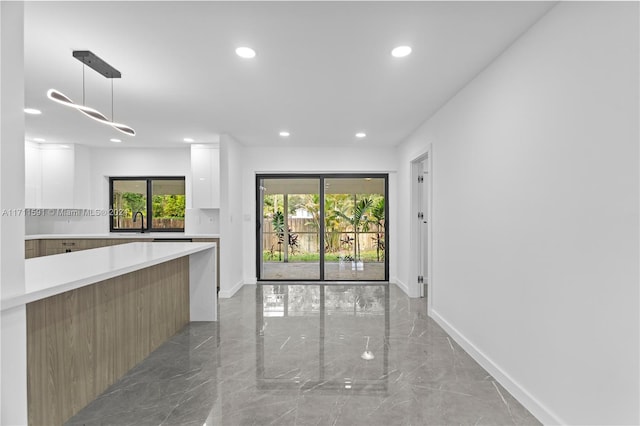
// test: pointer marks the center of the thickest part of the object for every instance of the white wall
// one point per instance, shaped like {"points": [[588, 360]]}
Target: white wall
{"points": [[535, 215], [359, 158], [95, 166], [106, 162], [13, 340], [232, 156], [33, 175], [90, 172]]}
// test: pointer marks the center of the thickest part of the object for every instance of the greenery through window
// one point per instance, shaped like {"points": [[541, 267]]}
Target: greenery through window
{"points": [[149, 203], [346, 216]]}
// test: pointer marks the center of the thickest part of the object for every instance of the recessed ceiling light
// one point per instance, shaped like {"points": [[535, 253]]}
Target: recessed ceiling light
{"points": [[64, 146], [401, 51], [32, 111], [361, 135], [39, 139], [245, 52], [285, 134], [115, 140], [188, 140]]}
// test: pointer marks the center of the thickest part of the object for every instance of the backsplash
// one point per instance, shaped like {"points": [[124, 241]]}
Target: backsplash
{"points": [[54, 224], [202, 221]]}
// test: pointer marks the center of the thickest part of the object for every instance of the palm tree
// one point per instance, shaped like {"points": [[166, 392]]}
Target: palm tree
{"points": [[335, 207], [311, 203], [278, 227], [278, 223], [358, 220], [377, 212]]}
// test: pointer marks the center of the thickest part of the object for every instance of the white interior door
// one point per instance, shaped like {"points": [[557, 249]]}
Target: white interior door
{"points": [[424, 226], [421, 218]]}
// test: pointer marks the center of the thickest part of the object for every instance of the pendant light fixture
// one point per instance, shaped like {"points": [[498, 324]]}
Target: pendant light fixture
{"points": [[103, 68]]}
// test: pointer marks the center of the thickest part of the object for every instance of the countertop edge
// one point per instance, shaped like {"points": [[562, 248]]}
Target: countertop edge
{"points": [[32, 296], [133, 235]]}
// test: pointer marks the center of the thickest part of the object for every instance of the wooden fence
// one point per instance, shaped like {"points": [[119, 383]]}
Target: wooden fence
{"points": [[308, 241], [158, 223]]}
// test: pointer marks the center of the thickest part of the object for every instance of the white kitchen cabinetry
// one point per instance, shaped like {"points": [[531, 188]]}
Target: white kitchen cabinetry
{"points": [[56, 176], [205, 176]]}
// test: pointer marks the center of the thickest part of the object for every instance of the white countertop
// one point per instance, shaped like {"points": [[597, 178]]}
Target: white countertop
{"points": [[118, 235], [50, 275]]}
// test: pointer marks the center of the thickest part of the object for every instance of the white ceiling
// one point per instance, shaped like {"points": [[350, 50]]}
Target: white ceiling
{"points": [[323, 70]]}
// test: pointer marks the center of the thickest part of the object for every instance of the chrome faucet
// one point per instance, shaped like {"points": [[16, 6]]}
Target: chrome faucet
{"points": [[141, 220]]}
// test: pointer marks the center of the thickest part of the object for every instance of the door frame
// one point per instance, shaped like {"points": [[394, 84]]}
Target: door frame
{"points": [[418, 192], [321, 177]]}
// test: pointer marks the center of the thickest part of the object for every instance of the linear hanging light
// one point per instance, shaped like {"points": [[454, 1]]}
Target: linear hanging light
{"points": [[103, 68], [60, 98]]}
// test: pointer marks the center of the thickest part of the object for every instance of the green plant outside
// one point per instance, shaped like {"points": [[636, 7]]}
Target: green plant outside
{"points": [[164, 206], [366, 256], [342, 214]]}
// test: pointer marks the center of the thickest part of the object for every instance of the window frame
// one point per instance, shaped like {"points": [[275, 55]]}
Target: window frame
{"points": [[321, 177], [149, 181]]}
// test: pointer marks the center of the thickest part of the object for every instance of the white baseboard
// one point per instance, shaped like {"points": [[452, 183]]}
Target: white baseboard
{"points": [[225, 294], [404, 287], [400, 284], [542, 413]]}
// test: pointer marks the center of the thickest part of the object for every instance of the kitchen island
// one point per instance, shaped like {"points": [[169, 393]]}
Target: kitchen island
{"points": [[47, 244], [92, 315]]}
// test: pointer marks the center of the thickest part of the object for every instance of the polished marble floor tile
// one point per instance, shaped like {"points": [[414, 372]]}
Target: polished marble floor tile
{"points": [[335, 271], [309, 355]]}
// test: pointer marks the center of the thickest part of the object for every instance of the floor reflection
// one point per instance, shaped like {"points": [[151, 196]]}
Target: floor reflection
{"points": [[292, 355], [313, 337]]}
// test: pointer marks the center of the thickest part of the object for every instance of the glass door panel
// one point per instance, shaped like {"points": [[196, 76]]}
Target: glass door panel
{"points": [[354, 228], [289, 212]]}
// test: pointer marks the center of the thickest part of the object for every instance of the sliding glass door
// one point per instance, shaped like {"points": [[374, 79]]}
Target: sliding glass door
{"points": [[289, 228], [355, 237], [322, 227]]}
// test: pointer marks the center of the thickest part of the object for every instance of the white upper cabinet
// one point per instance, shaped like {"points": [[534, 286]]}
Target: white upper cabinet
{"points": [[205, 176], [56, 176]]}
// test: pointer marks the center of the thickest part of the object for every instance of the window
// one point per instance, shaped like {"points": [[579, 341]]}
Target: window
{"points": [[133, 200]]}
